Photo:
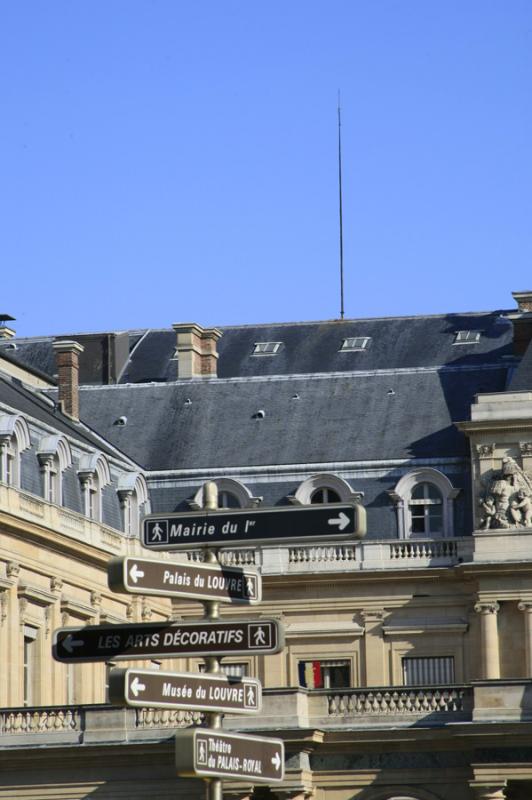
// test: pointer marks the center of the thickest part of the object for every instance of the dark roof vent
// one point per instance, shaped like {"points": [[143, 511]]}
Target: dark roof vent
{"points": [[121, 421], [260, 414]]}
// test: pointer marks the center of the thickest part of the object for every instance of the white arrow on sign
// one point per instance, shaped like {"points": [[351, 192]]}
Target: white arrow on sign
{"points": [[69, 643], [276, 761], [136, 686], [342, 521], [135, 573]]}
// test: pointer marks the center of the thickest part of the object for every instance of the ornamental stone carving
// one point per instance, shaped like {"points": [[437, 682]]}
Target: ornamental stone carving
{"points": [[485, 450], [506, 501]]}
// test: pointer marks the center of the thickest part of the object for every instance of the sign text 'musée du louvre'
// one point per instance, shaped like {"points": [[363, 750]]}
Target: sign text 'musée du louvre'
{"points": [[239, 586], [218, 693], [136, 641], [251, 526], [207, 753]]}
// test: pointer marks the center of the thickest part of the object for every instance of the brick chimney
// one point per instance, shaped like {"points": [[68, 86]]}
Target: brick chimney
{"points": [[67, 360], [196, 350]]}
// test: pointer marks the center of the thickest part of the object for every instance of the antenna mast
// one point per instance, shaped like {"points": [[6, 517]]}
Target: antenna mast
{"points": [[340, 210]]}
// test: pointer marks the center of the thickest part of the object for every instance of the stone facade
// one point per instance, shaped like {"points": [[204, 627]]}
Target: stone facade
{"points": [[407, 670]]}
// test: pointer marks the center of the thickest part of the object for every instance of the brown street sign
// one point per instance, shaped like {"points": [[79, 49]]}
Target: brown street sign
{"points": [[222, 528], [206, 753], [185, 690], [137, 641], [189, 581]]}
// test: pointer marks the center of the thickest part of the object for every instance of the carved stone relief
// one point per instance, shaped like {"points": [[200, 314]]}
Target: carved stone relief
{"points": [[506, 498]]}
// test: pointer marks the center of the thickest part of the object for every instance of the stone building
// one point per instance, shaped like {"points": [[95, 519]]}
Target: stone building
{"points": [[408, 662]]}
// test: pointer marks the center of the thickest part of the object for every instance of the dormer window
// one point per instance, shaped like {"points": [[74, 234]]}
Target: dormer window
{"points": [[14, 439], [94, 474], [467, 337], [55, 457], [354, 343], [266, 348]]}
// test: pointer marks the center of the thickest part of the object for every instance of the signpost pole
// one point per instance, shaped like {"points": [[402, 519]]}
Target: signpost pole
{"points": [[212, 612]]}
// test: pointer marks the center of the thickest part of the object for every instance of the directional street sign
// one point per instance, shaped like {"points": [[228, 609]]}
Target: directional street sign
{"points": [[167, 640], [207, 753], [189, 581], [250, 526], [184, 690]]}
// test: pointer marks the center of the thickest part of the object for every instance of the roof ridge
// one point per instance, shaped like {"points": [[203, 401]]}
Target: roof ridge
{"points": [[332, 321]]}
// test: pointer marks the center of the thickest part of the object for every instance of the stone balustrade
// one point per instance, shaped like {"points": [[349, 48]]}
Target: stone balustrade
{"points": [[40, 720], [418, 701], [382, 707]]}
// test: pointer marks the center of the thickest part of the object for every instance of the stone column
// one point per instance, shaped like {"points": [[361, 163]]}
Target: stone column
{"points": [[489, 639], [526, 608], [488, 791]]}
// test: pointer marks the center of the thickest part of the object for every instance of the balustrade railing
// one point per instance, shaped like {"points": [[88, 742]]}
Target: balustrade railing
{"points": [[166, 718], [40, 720], [419, 549], [413, 700], [322, 554]]}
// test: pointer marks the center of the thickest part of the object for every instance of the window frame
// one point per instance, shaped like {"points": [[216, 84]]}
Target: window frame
{"points": [[345, 347], [402, 495], [14, 439], [325, 480], [275, 348], [464, 337], [327, 664]]}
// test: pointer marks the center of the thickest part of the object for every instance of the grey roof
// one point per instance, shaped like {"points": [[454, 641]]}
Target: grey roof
{"points": [[322, 418], [307, 347], [32, 403]]}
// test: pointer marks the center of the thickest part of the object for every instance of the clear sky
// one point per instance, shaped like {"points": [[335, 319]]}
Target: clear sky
{"points": [[165, 161]]}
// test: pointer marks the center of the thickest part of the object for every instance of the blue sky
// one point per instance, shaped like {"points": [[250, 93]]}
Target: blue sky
{"points": [[165, 161]]}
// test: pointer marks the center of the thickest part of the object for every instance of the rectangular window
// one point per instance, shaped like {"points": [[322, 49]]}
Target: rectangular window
{"points": [[30, 666], [325, 674], [355, 343], [429, 671], [467, 337], [266, 348]]}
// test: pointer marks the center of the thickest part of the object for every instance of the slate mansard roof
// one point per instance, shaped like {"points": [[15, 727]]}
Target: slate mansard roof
{"points": [[397, 399]]}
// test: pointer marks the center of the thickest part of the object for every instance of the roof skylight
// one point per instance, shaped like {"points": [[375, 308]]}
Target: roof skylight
{"points": [[467, 337], [266, 348], [355, 343]]}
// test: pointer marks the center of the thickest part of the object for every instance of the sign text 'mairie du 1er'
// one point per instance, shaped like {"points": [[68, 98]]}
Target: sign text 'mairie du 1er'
{"points": [[222, 527]]}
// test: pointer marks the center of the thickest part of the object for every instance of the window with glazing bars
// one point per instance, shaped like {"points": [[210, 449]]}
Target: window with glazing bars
{"points": [[467, 337], [355, 343], [266, 348], [428, 671]]}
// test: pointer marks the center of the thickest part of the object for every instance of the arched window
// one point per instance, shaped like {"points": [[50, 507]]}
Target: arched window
{"points": [[324, 487], [424, 502], [133, 493], [14, 439], [231, 494], [54, 456], [94, 474], [325, 495]]}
